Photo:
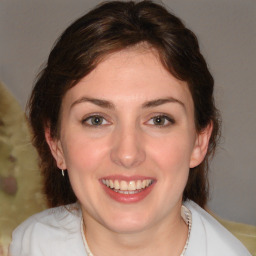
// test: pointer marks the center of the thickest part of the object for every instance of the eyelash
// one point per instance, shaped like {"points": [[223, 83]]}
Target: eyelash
{"points": [[167, 118], [104, 121], [89, 118]]}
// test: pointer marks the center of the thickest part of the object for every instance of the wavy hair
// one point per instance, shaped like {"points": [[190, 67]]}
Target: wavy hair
{"points": [[111, 27]]}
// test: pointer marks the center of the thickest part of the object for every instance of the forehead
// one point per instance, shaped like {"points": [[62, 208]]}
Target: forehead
{"points": [[131, 75]]}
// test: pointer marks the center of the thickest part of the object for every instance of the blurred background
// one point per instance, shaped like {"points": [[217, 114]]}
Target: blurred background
{"points": [[227, 36]]}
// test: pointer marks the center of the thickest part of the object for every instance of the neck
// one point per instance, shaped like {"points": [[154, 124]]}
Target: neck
{"points": [[165, 238]]}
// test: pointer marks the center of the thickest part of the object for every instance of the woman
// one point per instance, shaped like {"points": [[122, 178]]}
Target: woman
{"points": [[124, 121]]}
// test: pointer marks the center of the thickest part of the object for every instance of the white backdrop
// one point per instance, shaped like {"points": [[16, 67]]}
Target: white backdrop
{"points": [[227, 35]]}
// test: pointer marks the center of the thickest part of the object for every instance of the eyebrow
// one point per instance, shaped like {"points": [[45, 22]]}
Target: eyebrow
{"points": [[158, 102], [110, 105], [98, 102]]}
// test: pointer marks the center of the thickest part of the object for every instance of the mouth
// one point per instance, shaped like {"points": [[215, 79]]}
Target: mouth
{"points": [[130, 187]]}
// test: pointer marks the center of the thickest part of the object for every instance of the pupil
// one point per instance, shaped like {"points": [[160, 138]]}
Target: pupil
{"points": [[96, 120], [158, 120]]}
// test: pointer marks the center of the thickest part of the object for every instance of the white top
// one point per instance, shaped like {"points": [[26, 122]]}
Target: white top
{"points": [[56, 232]]}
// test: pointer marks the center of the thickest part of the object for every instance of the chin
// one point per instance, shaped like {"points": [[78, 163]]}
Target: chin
{"points": [[128, 223], [127, 228]]}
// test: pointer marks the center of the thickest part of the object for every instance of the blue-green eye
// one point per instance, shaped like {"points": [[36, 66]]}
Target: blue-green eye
{"points": [[161, 120], [95, 120]]}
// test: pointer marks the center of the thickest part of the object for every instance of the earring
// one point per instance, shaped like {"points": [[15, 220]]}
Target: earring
{"points": [[63, 173]]}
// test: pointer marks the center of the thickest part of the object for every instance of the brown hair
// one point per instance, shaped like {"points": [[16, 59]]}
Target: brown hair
{"points": [[111, 27]]}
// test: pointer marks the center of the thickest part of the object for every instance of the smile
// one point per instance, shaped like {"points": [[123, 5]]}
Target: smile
{"points": [[127, 187]]}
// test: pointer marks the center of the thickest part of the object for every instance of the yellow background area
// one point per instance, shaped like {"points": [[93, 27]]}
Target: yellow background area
{"points": [[18, 160]]}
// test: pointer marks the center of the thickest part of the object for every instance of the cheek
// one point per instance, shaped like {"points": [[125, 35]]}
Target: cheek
{"points": [[84, 158], [83, 154], [172, 153], [171, 157]]}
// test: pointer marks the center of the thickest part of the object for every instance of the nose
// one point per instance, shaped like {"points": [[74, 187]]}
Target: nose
{"points": [[127, 150]]}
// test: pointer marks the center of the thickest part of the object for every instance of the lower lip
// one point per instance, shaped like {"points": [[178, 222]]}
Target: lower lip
{"points": [[128, 198]]}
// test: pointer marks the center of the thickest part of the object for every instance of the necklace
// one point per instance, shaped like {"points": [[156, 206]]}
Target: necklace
{"points": [[87, 249], [185, 214], [187, 217]]}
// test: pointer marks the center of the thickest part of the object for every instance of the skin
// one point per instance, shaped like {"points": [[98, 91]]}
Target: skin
{"points": [[128, 142]]}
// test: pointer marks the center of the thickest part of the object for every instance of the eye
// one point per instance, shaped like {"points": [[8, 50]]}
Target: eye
{"points": [[161, 120], [95, 120]]}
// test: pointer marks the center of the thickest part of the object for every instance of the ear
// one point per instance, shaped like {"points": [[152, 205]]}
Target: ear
{"points": [[56, 149], [201, 146]]}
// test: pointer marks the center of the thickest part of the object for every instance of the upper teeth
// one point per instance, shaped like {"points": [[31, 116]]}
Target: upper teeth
{"points": [[127, 185]]}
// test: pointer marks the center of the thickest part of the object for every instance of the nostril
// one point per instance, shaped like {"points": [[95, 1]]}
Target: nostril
{"points": [[127, 158]]}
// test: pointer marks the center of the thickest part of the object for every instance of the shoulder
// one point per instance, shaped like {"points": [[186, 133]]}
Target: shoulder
{"points": [[43, 233], [209, 235]]}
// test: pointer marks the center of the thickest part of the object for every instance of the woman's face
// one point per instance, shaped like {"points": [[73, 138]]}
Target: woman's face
{"points": [[128, 140]]}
